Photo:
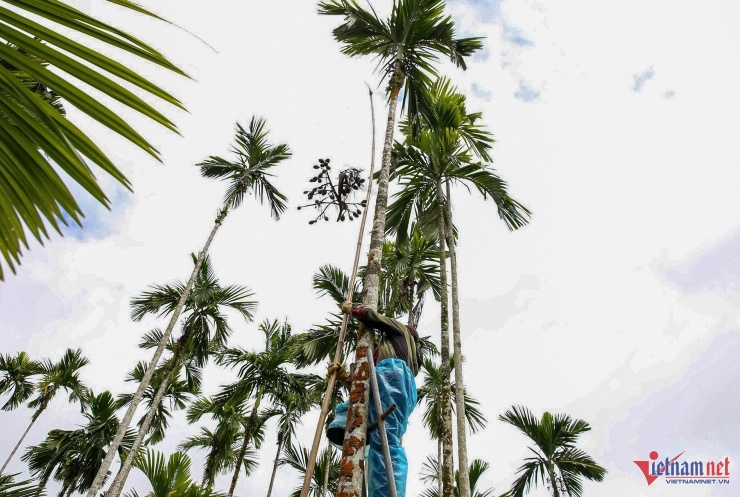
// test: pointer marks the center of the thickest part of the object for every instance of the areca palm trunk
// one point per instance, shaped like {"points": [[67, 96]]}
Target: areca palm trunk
{"points": [[325, 489], [247, 437], [146, 380], [117, 486], [553, 482], [15, 449], [353, 453], [280, 438], [462, 443], [447, 462]]}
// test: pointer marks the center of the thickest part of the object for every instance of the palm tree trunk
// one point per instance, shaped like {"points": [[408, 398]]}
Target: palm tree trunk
{"points": [[247, 436], [325, 488], [447, 463], [353, 454], [411, 308], [15, 449], [146, 380], [553, 482], [117, 486], [439, 466], [277, 460], [462, 442]]}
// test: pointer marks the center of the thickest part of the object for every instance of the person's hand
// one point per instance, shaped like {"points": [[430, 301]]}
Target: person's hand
{"points": [[342, 374], [347, 307]]}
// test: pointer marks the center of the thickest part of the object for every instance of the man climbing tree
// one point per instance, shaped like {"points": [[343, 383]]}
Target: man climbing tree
{"points": [[397, 363]]}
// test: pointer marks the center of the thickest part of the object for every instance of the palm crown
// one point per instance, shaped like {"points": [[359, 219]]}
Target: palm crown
{"points": [[254, 157], [555, 452], [406, 44]]}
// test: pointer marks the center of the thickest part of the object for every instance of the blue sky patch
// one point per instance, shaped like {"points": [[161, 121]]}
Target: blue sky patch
{"points": [[641, 79], [514, 35], [480, 92], [526, 93]]}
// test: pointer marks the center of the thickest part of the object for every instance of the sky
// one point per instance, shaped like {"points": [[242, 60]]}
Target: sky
{"points": [[618, 304]]}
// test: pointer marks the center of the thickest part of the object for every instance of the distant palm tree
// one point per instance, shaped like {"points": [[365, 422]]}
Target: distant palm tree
{"points": [[15, 379], [61, 375], [263, 375], [204, 330], [555, 453], [290, 409], [326, 472], [177, 393], [249, 172], [170, 478], [224, 444], [407, 45], [26, 488], [432, 392], [477, 468], [73, 457], [39, 64]]}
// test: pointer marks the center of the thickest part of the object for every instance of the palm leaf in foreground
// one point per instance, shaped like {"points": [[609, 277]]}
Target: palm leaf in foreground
{"points": [[36, 140]]}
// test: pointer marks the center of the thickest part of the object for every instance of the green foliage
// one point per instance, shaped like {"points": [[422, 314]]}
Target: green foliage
{"points": [[16, 373], [36, 140], [431, 474], [73, 457], [326, 470], [26, 488], [254, 157], [555, 455], [169, 478]]}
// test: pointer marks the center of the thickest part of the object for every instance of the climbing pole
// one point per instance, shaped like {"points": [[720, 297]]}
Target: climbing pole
{"points": [[343, 329]]}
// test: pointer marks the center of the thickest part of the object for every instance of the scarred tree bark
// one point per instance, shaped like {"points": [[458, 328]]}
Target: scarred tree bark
{"points": [[351, 466], [146, 380], [462, 443], [447, 463]]}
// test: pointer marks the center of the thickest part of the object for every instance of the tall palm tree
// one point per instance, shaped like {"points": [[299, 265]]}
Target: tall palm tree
{"points": [[61, 375], [444, 152], [249, 171], [433, 391], [290, 409], [263, 375], [37, 136], [177, 393], [170, 478], [324, 480], [477, 468], [204, 330], [224, 444], [15, 379], [555, 453], [72, 457], [406, 45]]}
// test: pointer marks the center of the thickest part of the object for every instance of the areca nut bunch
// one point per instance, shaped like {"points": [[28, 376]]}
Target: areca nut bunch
{"points": [[339, 193]]}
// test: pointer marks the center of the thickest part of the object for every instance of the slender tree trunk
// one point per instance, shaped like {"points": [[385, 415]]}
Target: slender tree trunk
{"points": [[462, 442], [355, 436], [277, 460], [146, 380], [325, 489], [247, 437], [411, 308], [117, 486], [447, 463], [553, 482], [15, 449], [439, 466]]}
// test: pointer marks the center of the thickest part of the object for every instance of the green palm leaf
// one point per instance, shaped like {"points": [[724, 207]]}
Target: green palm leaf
{"points": [[36, 141]]}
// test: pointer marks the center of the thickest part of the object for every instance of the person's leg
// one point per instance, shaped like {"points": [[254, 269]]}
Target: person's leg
{"points": [[396, 386]]}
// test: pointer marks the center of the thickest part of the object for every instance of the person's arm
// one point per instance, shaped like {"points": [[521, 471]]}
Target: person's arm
{"points": [[374, 320]]}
